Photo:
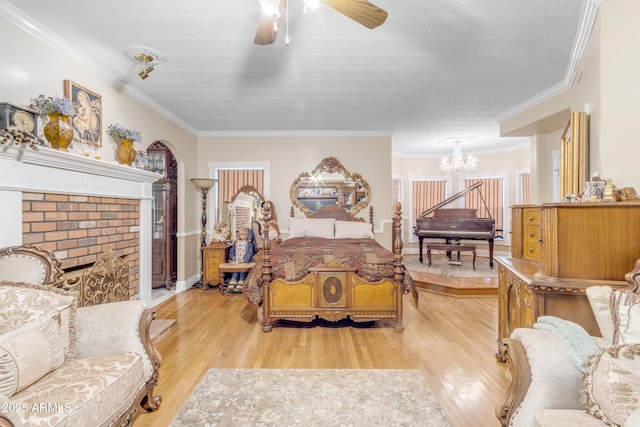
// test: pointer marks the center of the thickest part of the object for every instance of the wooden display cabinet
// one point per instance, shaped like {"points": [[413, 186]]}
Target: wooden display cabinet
{"points": [[213, 255], [164, 210]]}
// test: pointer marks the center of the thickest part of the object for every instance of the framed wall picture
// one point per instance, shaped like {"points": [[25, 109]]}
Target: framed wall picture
{"points": [[87, 123]]}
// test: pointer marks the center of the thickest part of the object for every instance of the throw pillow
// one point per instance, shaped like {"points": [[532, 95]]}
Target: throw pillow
{"points": [[311, 227], [29, 353], [600, 301], [22, 303], [611, 384], [625, 311], [353, 230]]}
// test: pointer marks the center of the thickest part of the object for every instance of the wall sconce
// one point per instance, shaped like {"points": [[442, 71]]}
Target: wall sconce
{"points": [[145, 57], [203, 184]]}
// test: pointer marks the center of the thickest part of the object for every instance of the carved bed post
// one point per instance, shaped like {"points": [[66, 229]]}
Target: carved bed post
{"points": [[266, 267], [398, 267]]}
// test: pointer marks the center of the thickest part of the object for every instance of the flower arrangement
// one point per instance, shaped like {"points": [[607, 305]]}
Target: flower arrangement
{"points": [[48, 104], [117, 132]]}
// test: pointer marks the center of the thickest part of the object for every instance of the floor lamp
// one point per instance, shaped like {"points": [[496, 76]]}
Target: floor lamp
{"points": [[203, 184]]}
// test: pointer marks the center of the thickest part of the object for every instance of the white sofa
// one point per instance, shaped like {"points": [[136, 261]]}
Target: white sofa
{"points": [[63, 365], [551, 387]]}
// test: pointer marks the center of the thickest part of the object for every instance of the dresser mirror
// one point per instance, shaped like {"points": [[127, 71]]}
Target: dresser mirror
{"points": [[245, 206], [330, 185]]}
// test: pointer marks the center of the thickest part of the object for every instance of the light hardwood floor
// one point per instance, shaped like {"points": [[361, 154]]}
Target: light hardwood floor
{"points": [[451, 339]]}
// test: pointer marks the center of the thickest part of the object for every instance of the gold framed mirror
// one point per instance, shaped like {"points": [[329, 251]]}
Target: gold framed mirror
{"points": [[574, 155], [330, 184], [245, 206]]}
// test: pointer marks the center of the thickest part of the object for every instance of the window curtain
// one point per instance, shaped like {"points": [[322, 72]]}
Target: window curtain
{"points": [[427, 193], [232, 180], [492, 191]]}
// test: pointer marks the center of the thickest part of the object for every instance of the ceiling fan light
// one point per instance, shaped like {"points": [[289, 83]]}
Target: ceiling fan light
{"points": [[310, 5], [267, 8]]}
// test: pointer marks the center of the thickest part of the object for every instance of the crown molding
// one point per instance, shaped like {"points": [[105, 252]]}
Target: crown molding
{"points": [[299, 133], [46, 36], [587, 21]]}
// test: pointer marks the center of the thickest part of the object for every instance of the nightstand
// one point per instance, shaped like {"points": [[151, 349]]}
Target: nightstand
{"points": [[213, 255]]}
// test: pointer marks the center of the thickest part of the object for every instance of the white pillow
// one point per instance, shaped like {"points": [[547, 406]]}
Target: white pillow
{"points": [[625, 311], [29, 353], [353, 230], [311, 227], [600, 301]]}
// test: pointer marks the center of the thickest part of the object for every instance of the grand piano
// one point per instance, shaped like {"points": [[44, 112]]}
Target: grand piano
{"points": [[456, 224]]}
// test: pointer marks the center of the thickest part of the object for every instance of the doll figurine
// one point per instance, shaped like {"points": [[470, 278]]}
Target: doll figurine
{"points": [[243, 250], [221, 233]]}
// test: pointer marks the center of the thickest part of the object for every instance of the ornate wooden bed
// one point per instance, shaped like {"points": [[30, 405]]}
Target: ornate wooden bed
{"points": [[331, 290]]}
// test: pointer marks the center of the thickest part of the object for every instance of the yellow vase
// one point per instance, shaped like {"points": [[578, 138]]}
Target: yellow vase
{"points": [[59, 131], [125, 152]]}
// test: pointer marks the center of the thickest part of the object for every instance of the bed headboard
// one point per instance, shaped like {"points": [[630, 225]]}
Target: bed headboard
{"points": [[335, 212]]}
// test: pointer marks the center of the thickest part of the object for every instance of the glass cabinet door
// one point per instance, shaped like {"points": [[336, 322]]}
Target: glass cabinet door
{"points": [[158, 205], [164, 216]]}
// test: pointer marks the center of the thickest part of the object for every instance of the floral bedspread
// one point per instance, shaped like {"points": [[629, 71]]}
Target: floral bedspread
{"points": [[292, 259]]}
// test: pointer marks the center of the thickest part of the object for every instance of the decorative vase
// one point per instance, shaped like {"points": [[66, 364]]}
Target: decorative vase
{"points": [[58, 131], [125, 152]]}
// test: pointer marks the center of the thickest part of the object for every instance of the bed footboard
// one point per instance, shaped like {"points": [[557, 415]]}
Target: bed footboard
{"points": [[333, 291]]}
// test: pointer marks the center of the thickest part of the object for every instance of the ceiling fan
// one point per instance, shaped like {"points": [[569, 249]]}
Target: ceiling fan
{"points": [[361, 11]]}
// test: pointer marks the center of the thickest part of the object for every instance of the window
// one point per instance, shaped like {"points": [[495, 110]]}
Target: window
{"points": [[427, 193], [524, 188], [231, 177], [488, 200]]}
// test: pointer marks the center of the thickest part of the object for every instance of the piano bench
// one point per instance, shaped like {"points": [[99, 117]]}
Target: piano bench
{"points": [[451, 248]]}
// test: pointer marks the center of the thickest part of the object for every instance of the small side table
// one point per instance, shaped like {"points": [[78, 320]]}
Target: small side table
{"points": [[450, 249], [231, 267], [214, 254]]}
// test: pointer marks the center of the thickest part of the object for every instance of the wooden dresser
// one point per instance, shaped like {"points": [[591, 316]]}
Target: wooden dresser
{"points": [[557, 251], [213, 255]]}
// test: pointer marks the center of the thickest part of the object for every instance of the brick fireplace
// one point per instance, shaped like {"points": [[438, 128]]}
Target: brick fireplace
{"points": [[77, 229], [78, 207]]}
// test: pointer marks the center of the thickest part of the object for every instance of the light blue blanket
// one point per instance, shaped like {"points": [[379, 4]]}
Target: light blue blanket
{"points": [[577, 341]]}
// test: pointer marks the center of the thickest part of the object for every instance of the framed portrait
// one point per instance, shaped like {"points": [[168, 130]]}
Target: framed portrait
{"points": [[87, 123]]}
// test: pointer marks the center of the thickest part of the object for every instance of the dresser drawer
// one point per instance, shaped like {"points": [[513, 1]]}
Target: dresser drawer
{"points": [[531, 216], [532, 248]]}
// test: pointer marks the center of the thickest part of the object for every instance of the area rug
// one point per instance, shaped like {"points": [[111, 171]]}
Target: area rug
{"points": [[440, 265], [312, 397]]}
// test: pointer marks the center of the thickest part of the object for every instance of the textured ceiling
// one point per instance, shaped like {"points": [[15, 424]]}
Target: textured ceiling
{"points": [[435, 71]]}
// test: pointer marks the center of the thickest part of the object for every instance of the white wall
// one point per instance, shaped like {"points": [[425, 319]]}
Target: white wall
{"points": [[289, 156], [606, 86]]}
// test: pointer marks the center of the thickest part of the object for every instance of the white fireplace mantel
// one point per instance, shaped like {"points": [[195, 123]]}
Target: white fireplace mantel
{"points": [[54, 171]]}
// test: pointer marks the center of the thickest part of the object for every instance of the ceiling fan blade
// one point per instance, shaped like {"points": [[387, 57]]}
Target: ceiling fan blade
{"points": [[267, 31], [268, 26], [361, 11]]}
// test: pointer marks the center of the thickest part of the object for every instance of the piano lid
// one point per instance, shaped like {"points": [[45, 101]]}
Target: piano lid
{"points": [[451, 199]]}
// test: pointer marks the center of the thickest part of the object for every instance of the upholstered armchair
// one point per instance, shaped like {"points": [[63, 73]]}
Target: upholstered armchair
{"points": [[562, 377], [61, 364]]}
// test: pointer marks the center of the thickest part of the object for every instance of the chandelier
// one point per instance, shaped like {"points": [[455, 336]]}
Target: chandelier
{"points": [[458, 163]]}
